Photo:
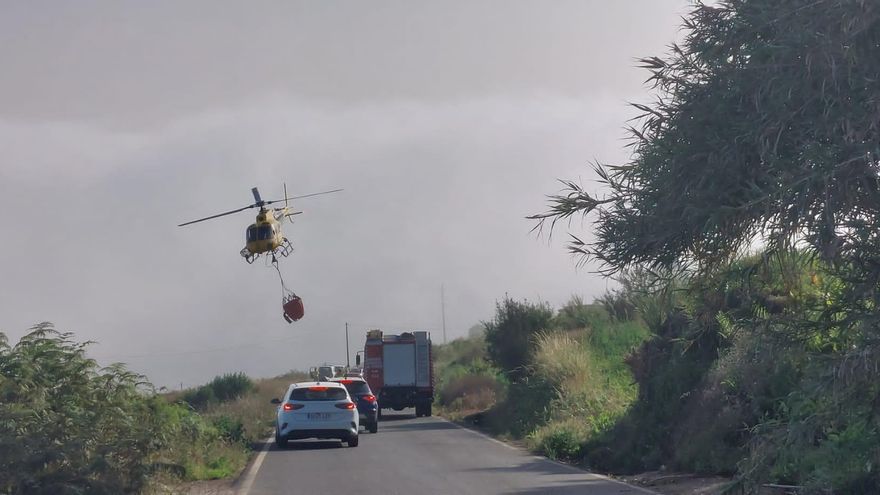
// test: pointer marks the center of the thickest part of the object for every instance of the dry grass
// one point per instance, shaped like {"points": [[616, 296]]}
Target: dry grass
{"points": [[255, 410]]}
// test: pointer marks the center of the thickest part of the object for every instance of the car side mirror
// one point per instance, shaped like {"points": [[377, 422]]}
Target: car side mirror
{"points": [[275, 401], [357, 359]]}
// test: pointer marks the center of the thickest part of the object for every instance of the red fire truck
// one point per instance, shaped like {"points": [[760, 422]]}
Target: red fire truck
{"points": [[400, 370]]}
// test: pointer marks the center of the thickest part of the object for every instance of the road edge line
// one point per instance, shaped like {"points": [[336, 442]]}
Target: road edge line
{"points": [[547, 459], [247, 479]]}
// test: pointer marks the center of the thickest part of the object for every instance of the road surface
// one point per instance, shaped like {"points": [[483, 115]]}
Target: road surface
{"points": [[424, 456]]}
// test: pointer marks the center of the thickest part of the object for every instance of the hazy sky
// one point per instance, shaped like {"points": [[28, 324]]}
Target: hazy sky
{"points": [[446, 123]]}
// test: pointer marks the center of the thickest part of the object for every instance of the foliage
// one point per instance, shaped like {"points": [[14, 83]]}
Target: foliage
{"points": [[230, 386], [765, 137], [590, 386], [67, 425], [70, 426], [573, 387], [575, 314], [764, 129], [466, 382], [561, 440], [509, 334]]}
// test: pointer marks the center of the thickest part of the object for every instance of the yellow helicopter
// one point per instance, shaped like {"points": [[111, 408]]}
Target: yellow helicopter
{"points": [[264, 235]]}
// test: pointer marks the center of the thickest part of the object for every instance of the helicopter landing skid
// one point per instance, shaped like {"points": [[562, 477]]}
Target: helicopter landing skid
{"points": [[285, 249], [249, 256]]}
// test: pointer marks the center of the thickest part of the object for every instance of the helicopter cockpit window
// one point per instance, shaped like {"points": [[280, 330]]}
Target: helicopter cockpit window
{"points": [[264, 232], [252, 234]]}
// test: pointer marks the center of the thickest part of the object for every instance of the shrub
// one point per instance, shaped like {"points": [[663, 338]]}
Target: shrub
{"points": [[469, 386], [509, 334], [229, 428], [228, 387], [560, 440], [575, 314], [69, 426]]}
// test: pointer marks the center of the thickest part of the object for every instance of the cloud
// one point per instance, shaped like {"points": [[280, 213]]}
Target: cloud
{"points": [[434, 193]]}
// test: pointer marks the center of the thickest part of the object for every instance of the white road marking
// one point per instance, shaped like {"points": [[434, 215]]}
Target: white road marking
{"points": [[551, 461], [247, 480]]}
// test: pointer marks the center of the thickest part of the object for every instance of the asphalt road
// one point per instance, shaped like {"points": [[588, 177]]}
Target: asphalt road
{"points": [[423, 456]]}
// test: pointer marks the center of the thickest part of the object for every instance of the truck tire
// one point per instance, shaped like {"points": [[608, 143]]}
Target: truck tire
{"points": [[419, 411], [428, 410]]}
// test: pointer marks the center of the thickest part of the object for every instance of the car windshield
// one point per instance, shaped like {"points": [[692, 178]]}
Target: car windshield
{"points": [[318, 393]]}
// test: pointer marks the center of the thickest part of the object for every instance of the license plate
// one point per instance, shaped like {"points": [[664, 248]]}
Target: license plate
{"points": [[320, 416]]}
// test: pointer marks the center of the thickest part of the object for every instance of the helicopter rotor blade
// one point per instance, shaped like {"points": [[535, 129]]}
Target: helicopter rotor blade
{"points": [[217, 215], [256, 193], [303, 196]]}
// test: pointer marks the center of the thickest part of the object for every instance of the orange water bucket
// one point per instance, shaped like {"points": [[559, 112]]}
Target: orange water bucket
{"points": [[293, 309]]}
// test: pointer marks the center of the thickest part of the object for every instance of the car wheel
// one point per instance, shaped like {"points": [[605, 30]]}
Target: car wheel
{"points": [[280, 442], [353, 441], [374, 427]]}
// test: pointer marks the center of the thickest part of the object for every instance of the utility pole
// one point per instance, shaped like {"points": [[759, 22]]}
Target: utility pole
{"points": [[443, 310], [347, 353]]}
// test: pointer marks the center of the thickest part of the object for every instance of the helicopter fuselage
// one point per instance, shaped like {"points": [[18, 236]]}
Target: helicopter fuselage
{"points": [[265, 234]]}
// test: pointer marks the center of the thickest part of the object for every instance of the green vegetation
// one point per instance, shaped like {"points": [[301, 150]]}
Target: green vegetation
{"points": [[751, 210], [466, 381], [569, 383], [70, 426], [508, 335], [230, 386]]}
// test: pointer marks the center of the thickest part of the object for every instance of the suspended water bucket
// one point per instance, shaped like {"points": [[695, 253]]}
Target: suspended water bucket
{"points": [[293, 308]]}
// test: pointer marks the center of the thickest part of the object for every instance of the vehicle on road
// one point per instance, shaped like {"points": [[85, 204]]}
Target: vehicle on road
{"points": [[327, 371], [316, 410], [400, 370], [354, 373], [366, 403]]}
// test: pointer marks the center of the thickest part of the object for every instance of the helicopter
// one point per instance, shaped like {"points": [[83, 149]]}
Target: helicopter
{"points": [[264, 235]]}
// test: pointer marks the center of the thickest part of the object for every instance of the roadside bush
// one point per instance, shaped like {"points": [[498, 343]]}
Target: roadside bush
{"points": [[252, 410], [561, 440], [69, 426], [483, 386], [200, 397], [228, 387], [509, 334], [466, 382], [229, 428], [576, 315]]}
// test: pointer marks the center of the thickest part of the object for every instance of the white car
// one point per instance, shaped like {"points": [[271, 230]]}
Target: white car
{"points": [[316, 410]]}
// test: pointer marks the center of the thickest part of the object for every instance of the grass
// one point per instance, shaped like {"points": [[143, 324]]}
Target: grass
{"points": [[576, 387]]}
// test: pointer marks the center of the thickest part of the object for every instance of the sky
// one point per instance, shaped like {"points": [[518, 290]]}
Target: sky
{"points": [[446, 124]]}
